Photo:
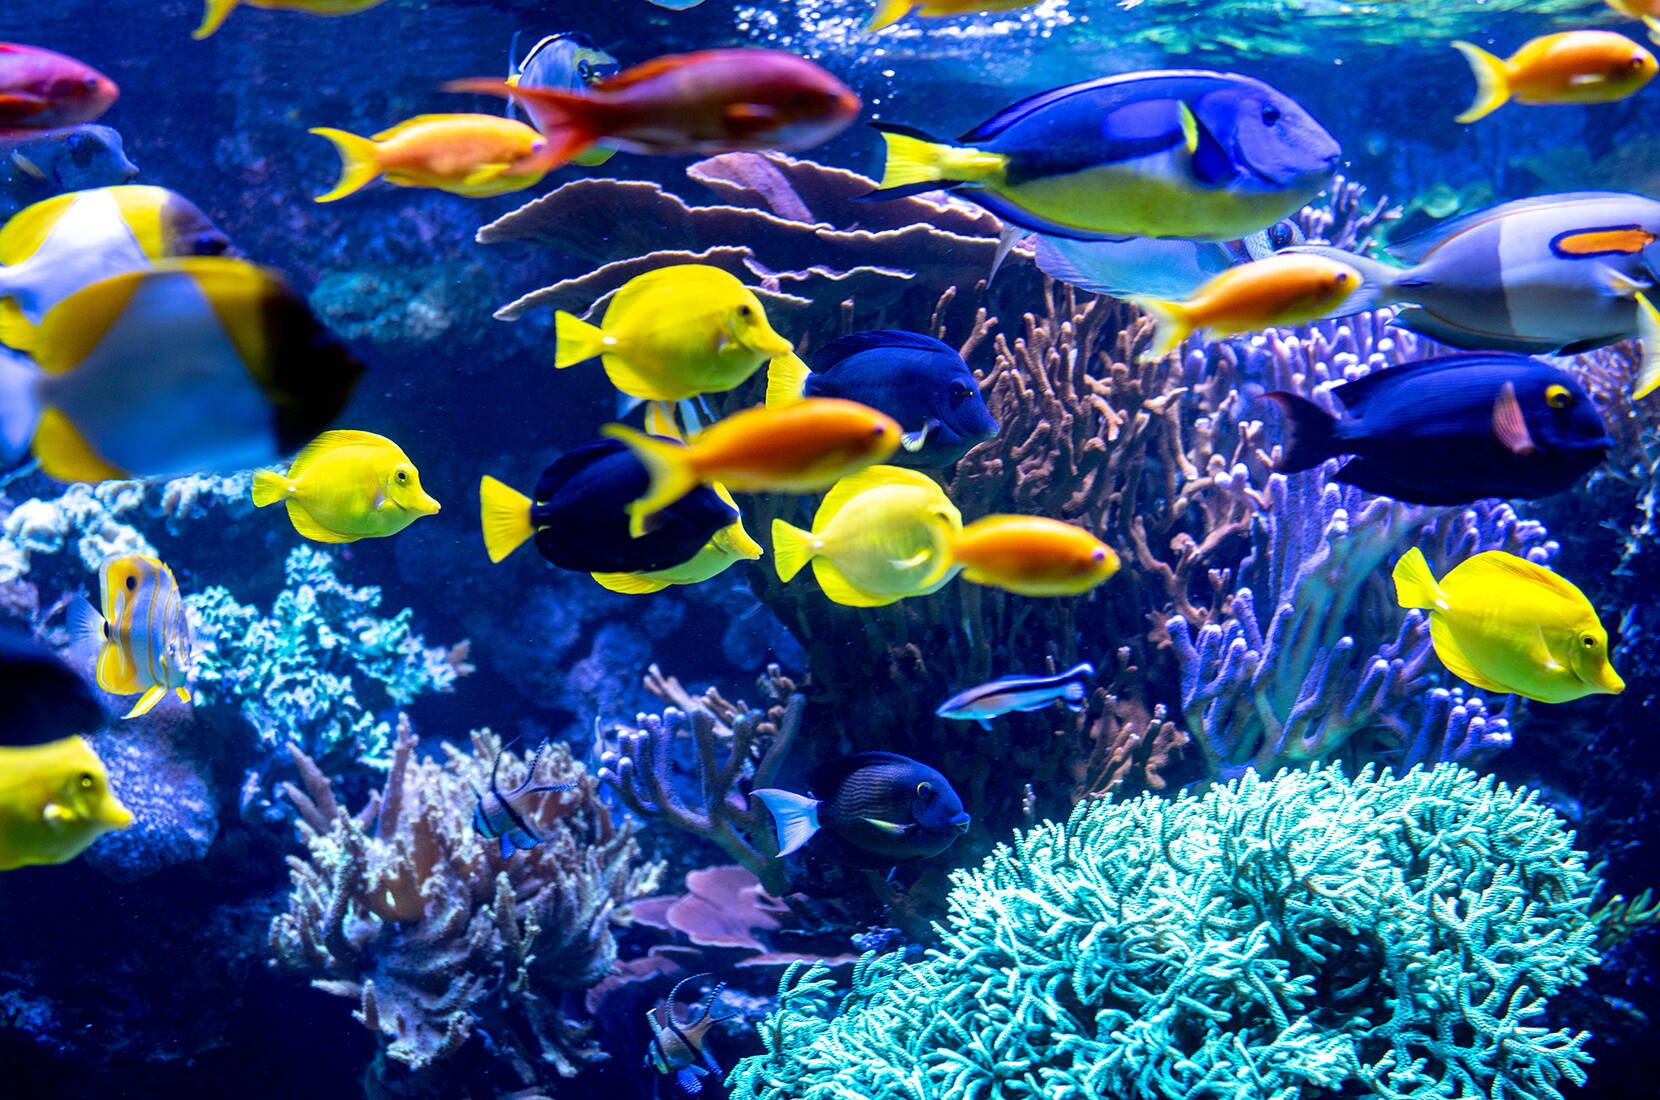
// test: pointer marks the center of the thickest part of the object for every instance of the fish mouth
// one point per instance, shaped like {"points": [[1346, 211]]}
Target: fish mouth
{"points": [[960, 823]]}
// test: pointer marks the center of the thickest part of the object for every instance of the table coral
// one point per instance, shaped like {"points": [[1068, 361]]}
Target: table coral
{"points": [[1379, 936], [405, 909]]}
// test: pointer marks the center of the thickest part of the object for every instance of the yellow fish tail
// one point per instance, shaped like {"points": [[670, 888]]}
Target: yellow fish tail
{"points": [[16, 331], [214, 14], [1415, 585], [1648, 334], [786, 379], [146, 702], [792, 549], [1492, 82], [359, 162], [505, 515], [633, 584], [269, 487], [668, 465], [914, 158], [578, 341], [888, 12], [1174, 324]]}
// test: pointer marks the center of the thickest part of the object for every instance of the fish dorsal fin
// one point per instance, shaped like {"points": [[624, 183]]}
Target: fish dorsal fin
{"points": [[573, 462], [75, 325], [646, 70], [871, 477], [22, 236], [1413, 249], [309, 527], [634, 584], [1354, 394], [845, 347], [409, 124], [1498, 565], [331, 441]]}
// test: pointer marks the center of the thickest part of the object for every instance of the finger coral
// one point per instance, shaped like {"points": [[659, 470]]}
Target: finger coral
{"points": [[403, 908], [1273, 938]]}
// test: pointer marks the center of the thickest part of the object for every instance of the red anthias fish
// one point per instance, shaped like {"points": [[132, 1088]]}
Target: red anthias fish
{"points": [[714, 101], [42, 91]]}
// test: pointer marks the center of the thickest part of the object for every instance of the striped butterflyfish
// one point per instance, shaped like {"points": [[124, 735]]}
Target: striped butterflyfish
{"points": [[143, 636]]}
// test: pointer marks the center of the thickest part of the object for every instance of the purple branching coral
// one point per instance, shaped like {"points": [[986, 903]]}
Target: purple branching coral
{"points": [[405, 909]]}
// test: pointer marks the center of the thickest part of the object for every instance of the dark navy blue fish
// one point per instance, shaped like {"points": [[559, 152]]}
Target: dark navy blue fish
{"points": [[876, 804], [41, 698], [499, 815], [1452, 430], [919, 381], [1009, 693], [678, 1045], [579, 517]]}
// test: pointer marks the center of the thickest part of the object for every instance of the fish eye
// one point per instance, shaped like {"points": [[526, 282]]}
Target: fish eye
{"points": [[746, 311], [209, 244], [1588, 641], [925, 791], [959, 393], [1559, 397], [132, 583], [403, 475], [86, 781], [1270, 114]]}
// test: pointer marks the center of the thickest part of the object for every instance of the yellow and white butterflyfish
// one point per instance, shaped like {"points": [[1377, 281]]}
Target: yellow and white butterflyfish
{"points": [[143, 635]]}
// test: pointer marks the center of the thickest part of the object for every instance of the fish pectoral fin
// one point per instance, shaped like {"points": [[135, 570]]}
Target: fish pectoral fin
{"points": [[27, 166], [1190, 128], [504, 846], [914, 441], [22, 99], [146, 702], [1210, 161], [54, 814], [1621, 285], [1585, 80], [183, 693], [985, 724], [886, 826], [486, 173], [748, 118], [1510, 425], [919, 558]]}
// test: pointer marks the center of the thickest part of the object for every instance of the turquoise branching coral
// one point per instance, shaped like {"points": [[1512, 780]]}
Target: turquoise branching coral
{"points": [[304, 674], [1276, 939]]}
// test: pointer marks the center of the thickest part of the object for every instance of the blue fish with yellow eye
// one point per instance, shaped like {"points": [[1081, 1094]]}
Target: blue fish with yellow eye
{"points": [[1452, 430], [505, 816], [1203, 155], [878, 809]]}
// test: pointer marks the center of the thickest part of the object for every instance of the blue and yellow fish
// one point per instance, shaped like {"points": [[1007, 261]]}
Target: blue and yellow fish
{"points": [[1010, 693], [144, 639], [501, 815]]}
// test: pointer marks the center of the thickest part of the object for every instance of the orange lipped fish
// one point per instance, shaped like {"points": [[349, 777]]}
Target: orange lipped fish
{"points": [[1572, 67], [473, 155], [799, 448], [1033, 556], [712, 101]]}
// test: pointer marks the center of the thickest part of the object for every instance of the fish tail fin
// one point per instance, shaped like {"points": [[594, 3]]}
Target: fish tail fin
{"points": [[1415, 585], [269, 487], [147, 702], [1377, 279], [669, 467], [576, 341], [786, 379], [887, 13], [1172, 322], [1310, 433], [914, 157], [1492, 82], [569, 121], [504, 513], [796, 816], [19, 409], [214, 14], [792, 549], [359, 162], [1648, 337]]}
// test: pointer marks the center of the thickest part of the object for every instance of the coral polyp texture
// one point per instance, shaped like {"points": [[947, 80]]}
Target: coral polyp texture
{"points": [[1308, 934], [403, 908]]}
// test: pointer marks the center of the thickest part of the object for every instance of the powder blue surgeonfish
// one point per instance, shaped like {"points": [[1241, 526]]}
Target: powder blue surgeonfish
{"points": [[1011, 693], [921, 382], [1183, 153], [1173, 269]]}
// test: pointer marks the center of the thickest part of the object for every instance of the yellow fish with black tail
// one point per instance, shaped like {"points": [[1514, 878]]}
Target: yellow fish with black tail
{"points": [[346, 485], [55, 800], [676, 332], [725, 548], [880, 535], [216, 12], [56, 247], [143, 636], [1504, 624]]}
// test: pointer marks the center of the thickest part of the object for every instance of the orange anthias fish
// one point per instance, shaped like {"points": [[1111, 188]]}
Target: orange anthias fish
{"points": [[42, 92], [463, 154], [216, 12], [1287, 288], [1646, 10], [799, 448], [1572, 67], [889, 12], [714, 101], [1033, 556]]}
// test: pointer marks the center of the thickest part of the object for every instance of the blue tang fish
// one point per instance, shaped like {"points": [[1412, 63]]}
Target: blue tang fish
{"points": [[1009, 693], [579, 515], [569, 62], [921, 382], [1556, 274], [44, 699], [881, 807], [1172, 269], [1183, 153], [501, 816], [1452, 430]]}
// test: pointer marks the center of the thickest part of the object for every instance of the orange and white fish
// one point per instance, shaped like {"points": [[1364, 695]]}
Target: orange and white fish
{"points": [[799, 448], [889, 12], [1572, 67], [143, 635], [1283, 289], [217, 11], [473, 155], [1033, 556]]}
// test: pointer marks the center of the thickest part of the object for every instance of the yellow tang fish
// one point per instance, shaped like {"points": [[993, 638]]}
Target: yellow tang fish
{"points": [[1033, 556], [55, 800], [143, 635], [56, 247], [880, 535], [476, 155], [1287, 288], [729, 545], [1567, 68], [346, 486], [217, 11], [674, 333], [1505, 624], [889, 12]]}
